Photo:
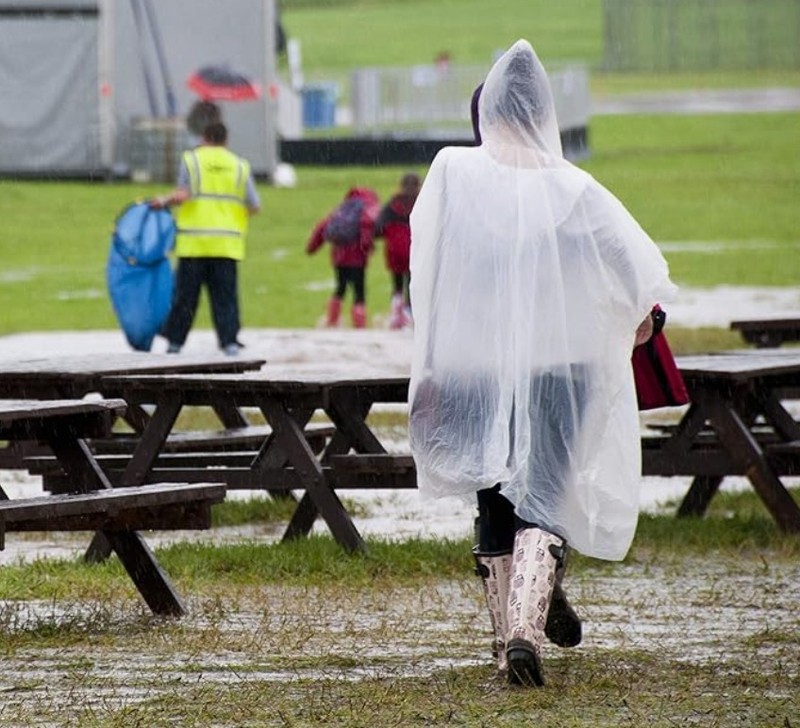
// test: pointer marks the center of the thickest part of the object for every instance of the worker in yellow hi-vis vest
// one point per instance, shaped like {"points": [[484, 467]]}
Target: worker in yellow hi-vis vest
{"points": [[216, 196]]}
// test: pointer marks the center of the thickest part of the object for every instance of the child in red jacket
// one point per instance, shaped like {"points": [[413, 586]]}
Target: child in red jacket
{"points": [[394, 226], [350, 231]]}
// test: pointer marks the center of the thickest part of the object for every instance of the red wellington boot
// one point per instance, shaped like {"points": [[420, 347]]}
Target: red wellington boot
{"points": [[359, 316], [334, 310]]}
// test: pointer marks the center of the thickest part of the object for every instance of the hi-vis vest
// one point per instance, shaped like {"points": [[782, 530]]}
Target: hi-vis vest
{"points": [[212, 223]]}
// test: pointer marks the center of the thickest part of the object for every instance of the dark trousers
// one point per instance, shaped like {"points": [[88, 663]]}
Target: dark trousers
{"points": [[556, 425], [497, 523], [349, 276], [219, 275]]}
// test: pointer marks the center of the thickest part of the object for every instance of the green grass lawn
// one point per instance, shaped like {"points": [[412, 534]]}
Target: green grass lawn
{"points": [[727, 179], [736, 523], [339, 35]]}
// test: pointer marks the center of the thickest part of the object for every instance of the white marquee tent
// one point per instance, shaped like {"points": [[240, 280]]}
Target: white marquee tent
{"points": [[78, 78]]}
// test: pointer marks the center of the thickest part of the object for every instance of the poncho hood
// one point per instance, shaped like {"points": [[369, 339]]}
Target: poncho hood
{"points": [[516, 104]]}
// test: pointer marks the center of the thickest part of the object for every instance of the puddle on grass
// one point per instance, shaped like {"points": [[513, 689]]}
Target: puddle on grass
{"points": [[716, 615], [724, 614]]}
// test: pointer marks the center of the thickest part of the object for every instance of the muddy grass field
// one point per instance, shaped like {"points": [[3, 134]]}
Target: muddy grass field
{"points": [[671, 638], [700, 625]]}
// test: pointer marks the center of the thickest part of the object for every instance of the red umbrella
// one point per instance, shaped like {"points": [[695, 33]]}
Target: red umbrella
{"points": [[223, 83]]}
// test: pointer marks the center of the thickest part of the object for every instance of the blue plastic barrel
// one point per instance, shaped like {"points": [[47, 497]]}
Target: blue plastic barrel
{"points": [[319, 105]]}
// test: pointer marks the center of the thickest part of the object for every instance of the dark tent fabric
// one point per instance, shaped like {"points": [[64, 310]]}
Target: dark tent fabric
{"points": [[139, 274]]}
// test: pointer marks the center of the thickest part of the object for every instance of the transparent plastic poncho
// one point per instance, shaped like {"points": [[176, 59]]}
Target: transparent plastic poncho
{"points": [[528, 281]]}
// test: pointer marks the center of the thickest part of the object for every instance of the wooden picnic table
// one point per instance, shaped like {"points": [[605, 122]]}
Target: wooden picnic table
{"points": [[86, 500], [766, 333], [737, 423], [285, 460], [73, 377]]}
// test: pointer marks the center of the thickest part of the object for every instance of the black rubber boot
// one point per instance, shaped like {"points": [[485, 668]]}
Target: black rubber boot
{"points": [[563, 626], [524, 665]]}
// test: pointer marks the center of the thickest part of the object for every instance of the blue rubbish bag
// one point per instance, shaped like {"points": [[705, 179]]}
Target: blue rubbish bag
{"points": [[139, 274]]}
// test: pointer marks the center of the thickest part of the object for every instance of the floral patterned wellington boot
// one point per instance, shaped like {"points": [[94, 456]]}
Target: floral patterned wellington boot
{"points": [[495, 571], [536, 557]]}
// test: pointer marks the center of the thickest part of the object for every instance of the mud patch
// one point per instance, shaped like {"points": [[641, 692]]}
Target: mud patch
{"points": [[739, 615]]}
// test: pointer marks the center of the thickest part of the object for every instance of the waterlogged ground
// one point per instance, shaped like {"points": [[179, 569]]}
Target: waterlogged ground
{"points": [[669, 640], [703, 641]]}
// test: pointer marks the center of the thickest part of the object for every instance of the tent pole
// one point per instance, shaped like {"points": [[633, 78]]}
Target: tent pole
{"points": [[148, 80], [105, 82], [270, 87], [162, 59]]}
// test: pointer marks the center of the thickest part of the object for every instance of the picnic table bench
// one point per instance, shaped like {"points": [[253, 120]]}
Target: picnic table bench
{"points": [[766, 333], [169, 506], [89, 501], [228, 448], [74, 377], [736, 424], [285, 461]]}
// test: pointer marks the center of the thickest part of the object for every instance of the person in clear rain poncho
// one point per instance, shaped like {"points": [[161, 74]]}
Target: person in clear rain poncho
{"points": [[530, 285]]}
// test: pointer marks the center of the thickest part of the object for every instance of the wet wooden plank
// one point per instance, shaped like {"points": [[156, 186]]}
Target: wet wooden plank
{"points": [[76, 376], [740, 367], [767, 333], [24, 419], [161, 505]]}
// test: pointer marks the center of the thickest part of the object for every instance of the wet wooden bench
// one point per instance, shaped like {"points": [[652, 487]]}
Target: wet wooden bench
{"points": [[167, 506], [767, 333], [90, 501], [374, 470], [785, 457], [350, 472], [231, 448], [212, 441]]}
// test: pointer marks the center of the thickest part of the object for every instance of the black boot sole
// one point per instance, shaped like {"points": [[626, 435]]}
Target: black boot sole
{"points": [[524, 665]]}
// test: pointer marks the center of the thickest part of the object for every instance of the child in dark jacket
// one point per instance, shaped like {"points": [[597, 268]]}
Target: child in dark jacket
{"points": [[349, 255], [393, 224]]}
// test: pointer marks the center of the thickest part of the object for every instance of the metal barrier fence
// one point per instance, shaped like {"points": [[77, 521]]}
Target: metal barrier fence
{"points": [[696, 35], [433, 99]]}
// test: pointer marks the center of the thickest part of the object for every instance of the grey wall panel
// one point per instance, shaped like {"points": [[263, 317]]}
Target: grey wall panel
{"points": [[48, 94]]}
